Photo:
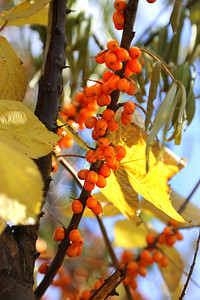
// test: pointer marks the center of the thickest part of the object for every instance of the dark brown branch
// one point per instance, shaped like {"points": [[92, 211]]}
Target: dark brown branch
{"points": [[191, 269], [109, 286], [183, 206]]}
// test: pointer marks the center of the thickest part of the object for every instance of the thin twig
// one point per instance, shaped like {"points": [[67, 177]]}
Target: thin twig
{"points": [[183, 206], [191, 269], [70, 155]]}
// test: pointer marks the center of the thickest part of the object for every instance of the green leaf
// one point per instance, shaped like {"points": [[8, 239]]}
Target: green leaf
{"points": [[190, 103], [155, 78], [129, 235], [72, 132], [175, 16], [20, 185], [161, 119], [21, 129]]}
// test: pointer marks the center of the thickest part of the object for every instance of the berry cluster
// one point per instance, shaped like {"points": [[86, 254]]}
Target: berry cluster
{"points": [[129, 109], [118, 15], [151, 254], [114, 56], [91, 202], [77, 242]]}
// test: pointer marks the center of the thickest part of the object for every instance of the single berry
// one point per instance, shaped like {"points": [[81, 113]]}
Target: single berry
{"points": [[108, 114], [112, 45], [91, 202], [120, 4], [82, 174], [104, 171], [59, 234], [74, 235], [43, 268], [92, 177], [90, 122], [150, 238], [101, 182], [72, 250], [77, 206], [134, 52], [129, 107]]}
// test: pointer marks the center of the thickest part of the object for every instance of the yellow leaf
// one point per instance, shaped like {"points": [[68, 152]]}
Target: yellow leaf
{"points": [[13, 79], [24, 10], [153, 185], [120, 193], [128, 235], [173, 272], [191, 212], [21, 129], [39, 18], [20, 187]]}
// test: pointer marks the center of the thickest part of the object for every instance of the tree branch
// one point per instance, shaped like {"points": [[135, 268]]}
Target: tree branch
{"points": [[183, 206], [191, 269]]}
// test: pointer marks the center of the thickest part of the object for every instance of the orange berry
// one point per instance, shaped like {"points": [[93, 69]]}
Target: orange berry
{"points": [[59, 234], [123, 85], [132, 267], [118, 19], [101, 182], [92, 177], [115, 166], [120, 4], [82, 174], [106, 89], [85, 295], [146, 256], [134, 52], [126, 280], [90, 156], [104, 171], [113, 82], [128, 72], [113, 125], [43, 268], [95, 135], [104, 99], [89, 186], [66, 141], [132, 88], [108, 114], [122, 54], [121, 152], [167, 231], [80, 249], [103, 142], [100, 57], [133, 284], [157, 256], [142, 271], [70, 110], [127, 256], [179, 236], [101, 124], [173, 222], [91, 202], [107, 74], [97, 209], [79, 96], [79, 243], [117, 66], [171, 240], [90, 122], [150, 238], [72, 250], [109, 152], [125, 118], [112, 45], [110, 59], [134, 65], [111, 161], [164, 261], [162, 239], [74, 235], [77, 206], [129, 107], [99, 153], [94, 90]]}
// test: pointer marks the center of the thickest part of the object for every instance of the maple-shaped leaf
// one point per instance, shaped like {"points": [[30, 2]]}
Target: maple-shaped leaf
{"points": [[38, 18], [21, 129], [20, 187], [13, 81], [153, 186], [24, 10]]}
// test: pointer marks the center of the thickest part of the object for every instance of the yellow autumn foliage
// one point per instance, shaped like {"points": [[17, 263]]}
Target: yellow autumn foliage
{"points": [[13, 81], [20, 187], [22, 130]]}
